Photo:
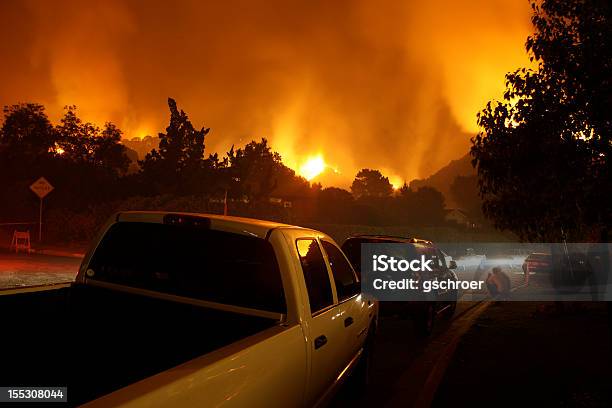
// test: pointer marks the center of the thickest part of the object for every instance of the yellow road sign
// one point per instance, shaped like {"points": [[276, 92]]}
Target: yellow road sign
{"points": [[41, 187]]}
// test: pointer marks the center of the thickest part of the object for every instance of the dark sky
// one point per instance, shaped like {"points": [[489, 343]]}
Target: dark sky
{"points": [[393, 85]]}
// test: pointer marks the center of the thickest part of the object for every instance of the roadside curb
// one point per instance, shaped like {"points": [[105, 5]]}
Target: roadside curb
{"points": [[54, 252], [35, 288]]}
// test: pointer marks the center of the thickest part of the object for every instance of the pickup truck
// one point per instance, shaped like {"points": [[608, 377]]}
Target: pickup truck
{"points": [[176, 310]]}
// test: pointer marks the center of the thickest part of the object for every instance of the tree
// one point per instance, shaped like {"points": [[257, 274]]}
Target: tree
{"points": [[255, 170], [424, 206], [27, 139], [465, 193], [75, 136], [543, 155], [27, 134], [335, 205], [81, 161], [86, 144], [107, 150], [177, 165], [371, 183]]}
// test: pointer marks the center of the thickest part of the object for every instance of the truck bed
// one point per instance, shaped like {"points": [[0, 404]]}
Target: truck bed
{"points": [[96, 340]]}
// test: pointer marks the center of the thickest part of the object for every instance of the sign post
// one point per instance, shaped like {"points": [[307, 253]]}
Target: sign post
{"points": [[41, 188]]}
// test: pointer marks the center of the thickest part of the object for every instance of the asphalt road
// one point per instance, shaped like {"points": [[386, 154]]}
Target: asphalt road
{"points": [[408, 367], [404, 361], [22, 270]]}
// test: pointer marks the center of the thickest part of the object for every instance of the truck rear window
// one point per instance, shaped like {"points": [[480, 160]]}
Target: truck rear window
{"points": [[193, 262]]}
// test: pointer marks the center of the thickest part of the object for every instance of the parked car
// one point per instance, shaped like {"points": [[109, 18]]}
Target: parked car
{"points": [[176, 310], [537, 262], [423, 312]]}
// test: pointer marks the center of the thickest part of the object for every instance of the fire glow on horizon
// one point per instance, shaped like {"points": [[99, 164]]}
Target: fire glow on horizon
{"points": [[361, 84], [312, 167]]}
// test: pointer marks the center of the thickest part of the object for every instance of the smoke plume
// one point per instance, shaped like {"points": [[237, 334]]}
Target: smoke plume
{"points": [[393, 85]]}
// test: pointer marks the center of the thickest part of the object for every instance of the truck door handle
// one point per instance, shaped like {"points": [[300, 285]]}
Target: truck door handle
{"points": [[320, 341], [348, 321]]}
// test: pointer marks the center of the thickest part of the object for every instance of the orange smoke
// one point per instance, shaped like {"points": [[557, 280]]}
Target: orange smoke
{"points": [[388, 85]]}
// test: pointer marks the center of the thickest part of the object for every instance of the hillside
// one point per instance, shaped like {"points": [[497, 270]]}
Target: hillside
{"points": [[443, 178]]}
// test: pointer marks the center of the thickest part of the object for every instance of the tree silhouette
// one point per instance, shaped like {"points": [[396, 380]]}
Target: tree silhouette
{"points": [[370, 183], [465, 193], [336, 205], [254, 170], [85, 143], [543, 156], [424, 206], [108, 152], [177, 165], [82, 161], [27, 134]]}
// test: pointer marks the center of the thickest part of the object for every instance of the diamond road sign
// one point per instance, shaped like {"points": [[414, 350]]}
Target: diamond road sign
{"points": [[41, 187]]}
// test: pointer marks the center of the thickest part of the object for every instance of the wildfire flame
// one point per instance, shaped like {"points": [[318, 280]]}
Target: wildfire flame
{"points": [[312, 167], [396, 181]]}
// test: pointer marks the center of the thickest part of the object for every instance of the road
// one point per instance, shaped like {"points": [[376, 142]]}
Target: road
{"points": [[408, 368], [21, 270], [405, 363]]}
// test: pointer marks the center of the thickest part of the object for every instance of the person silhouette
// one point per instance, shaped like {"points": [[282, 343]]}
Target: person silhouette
{"points": [[499, 284]]}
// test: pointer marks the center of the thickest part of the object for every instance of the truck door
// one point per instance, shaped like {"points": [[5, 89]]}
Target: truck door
{"points": [[325, 338], [353, 313]]}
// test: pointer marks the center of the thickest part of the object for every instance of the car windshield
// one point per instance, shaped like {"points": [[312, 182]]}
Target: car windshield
{"points": [[198, 263]]}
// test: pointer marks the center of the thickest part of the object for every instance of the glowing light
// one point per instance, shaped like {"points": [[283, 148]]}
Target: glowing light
{"points": [[396, 182], [56, 149], [312, 167]]}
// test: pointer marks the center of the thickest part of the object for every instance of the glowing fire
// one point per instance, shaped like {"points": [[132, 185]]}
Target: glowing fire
{"points": [[396, 182], [312, 167], [56, 149]]}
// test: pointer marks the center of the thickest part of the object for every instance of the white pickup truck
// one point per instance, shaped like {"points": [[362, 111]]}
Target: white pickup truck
{"points": [[179, 310]]}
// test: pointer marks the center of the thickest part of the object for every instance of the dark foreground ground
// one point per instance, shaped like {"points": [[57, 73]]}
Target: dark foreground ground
{"points": [[532, 354]]}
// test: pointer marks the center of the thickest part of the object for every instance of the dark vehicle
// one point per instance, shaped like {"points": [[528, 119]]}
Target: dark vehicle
{"points": [[424, 313], [538, 262], [568, 272]]}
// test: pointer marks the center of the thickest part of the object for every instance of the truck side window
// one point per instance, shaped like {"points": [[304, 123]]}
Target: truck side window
{"points": [[344, 277], [315, 274]]}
